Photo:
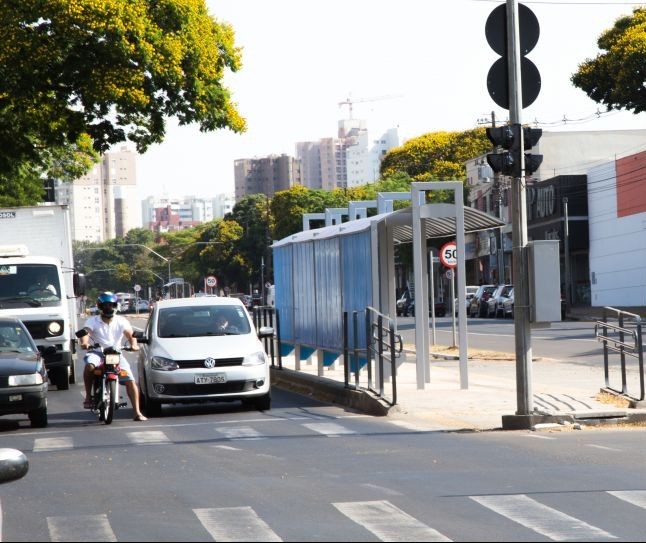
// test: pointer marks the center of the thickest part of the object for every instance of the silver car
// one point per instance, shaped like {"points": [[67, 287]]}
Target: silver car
{"points": [[202, 349]]}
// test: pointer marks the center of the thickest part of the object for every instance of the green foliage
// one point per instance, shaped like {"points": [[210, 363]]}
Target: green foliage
{"points": [[615, 77], [74, 72]]}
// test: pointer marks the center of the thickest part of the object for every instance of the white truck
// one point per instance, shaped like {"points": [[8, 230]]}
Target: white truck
{"points": [[38, 284]]}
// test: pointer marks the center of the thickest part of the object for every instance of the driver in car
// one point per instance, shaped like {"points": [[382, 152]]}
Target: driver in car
{"points": [[43, 283]]}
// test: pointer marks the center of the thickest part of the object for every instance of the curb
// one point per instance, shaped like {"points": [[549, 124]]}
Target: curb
{"points": [[328, 390]]}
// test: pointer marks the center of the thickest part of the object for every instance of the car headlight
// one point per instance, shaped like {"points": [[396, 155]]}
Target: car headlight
{"points": [[25, 380], [255, 359], [54, 328], [163, 364]]}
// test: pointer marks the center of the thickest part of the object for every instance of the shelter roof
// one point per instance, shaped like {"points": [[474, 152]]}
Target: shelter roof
{"points": [[401, 222]]}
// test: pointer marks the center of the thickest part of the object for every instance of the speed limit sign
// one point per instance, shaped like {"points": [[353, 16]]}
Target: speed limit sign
{"points": [[211, 281], [449, 254]]}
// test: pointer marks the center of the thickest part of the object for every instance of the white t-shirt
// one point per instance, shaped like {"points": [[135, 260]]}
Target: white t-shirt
{"points": [[108, 334]]}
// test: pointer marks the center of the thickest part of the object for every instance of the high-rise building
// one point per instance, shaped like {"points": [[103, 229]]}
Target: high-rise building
{"points": [[266, 175], [103, 202], [345, 161]]}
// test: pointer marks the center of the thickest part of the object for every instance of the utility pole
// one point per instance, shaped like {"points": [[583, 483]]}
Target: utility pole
{"points": [[566, 255], [523, 337]]}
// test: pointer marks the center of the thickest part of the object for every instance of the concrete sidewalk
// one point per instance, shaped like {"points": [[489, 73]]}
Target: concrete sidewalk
{"points": [[564, 392]]}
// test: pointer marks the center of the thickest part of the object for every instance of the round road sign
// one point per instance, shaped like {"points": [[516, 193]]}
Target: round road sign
{"points": [[137, 288], [449, 254], [211, 281]]}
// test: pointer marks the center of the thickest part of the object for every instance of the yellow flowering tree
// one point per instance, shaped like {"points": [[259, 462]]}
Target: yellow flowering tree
{"points": [[114, 70]]}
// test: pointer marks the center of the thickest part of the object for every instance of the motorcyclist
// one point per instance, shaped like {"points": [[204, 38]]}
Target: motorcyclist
{"points": [[108, 330]]}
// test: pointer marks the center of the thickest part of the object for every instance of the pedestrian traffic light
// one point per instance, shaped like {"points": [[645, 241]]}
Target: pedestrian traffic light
{"points": [[506, 162], [530, 139]]}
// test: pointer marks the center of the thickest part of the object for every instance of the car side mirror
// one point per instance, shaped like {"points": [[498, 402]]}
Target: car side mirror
{"points": [[13, 465], [81, 333], [140, 337], [265, 331]]}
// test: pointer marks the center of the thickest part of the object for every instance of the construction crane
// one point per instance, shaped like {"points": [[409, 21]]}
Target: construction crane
{"points": [[349, 101]]}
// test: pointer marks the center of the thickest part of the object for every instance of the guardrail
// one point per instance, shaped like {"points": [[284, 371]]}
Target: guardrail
{"points": [[625, 338], [383, 346]]}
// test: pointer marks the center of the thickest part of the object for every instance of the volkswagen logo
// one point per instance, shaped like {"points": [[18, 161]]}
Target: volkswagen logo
{"points": [[209, 362]]}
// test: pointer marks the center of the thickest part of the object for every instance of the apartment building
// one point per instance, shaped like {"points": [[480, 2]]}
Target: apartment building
{"points": [[266, 175]]}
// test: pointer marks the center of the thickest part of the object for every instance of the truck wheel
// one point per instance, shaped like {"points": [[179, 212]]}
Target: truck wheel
{"points": [[38, 418], [61, 378], [72, 373]]}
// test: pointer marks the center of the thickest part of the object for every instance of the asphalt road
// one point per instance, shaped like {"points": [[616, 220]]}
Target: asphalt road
{"points": [[569, 340], [306, 471]]}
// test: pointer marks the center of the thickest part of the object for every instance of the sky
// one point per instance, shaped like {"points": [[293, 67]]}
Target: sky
{"points": [[419, 65]]}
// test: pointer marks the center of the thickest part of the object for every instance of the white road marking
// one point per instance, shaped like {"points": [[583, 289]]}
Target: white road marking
{"points": [[413, 427], [226, 448], [634, 497], [537, 436], [387, 522], [603, 447], [53, 443], [149, 437], [241, 433], [80, 528], [235, 524], [329, 429], [0, 521], [542, 519]]}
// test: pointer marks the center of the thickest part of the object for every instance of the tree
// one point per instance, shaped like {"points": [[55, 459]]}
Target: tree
{"points": [[113, 70], [615, 78], [436, 155]]}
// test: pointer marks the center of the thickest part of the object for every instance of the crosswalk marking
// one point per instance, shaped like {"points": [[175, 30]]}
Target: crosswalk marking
{"points": [[53, 443], [388, 522], [235, 524], [634, 497], [542, 519], [80, 528], [329, 429], [241, 433], [150, 437]]}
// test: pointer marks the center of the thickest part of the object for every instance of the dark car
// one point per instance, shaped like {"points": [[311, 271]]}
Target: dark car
{"points": [[440, 309], [478, 305], [23, 378]]}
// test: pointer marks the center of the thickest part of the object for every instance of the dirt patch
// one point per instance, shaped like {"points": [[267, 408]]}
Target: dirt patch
{"points": [[612, 399], [473, 353]]}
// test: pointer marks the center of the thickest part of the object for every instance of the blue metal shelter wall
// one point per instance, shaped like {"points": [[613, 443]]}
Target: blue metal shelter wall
{"points": [[329, 325], [305, 287], [356, 266], [283, 278]]}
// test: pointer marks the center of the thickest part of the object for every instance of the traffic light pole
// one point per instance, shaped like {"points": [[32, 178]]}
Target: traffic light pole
{"points": [[523, 339]]}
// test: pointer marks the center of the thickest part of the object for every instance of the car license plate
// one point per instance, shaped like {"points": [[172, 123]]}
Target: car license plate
{"points": [[15, 398], [210, 379]]}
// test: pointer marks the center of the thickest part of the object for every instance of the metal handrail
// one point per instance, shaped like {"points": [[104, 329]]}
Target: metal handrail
{"points": [[621, 346]]}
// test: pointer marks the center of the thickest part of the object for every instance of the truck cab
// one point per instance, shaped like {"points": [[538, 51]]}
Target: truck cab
{"points": [[34, 290]]}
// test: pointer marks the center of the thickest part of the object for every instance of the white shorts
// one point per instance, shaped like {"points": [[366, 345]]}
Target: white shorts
{"points": [[92, 357]]}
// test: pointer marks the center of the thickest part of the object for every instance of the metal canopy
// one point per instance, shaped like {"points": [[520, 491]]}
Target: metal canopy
{"points": [[402, 224]]}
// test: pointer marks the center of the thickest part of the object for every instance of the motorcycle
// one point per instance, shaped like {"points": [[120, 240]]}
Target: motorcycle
{"points": [[104, 390]]}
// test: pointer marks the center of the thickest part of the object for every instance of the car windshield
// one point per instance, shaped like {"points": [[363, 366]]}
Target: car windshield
{"points": [[14, 338], [200, 321]]}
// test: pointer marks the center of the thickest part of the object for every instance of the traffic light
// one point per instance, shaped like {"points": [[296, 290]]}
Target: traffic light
{"points": [[508, 161], [530, 139]]}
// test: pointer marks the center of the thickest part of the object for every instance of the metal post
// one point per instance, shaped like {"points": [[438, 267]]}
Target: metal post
{"points": [[566, 255], [453, 306], [521, 279], [431, 269]]}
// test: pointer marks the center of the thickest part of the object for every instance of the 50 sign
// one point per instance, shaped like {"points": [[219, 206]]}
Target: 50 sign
{"points": [[449, 255]]}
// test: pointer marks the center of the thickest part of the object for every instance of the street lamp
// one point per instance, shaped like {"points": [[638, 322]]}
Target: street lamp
{"points": [[167, 260]]}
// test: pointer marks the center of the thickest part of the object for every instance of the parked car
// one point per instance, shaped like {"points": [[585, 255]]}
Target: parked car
{"points": [[494, 303], [470, 292], [186, 357], [478, 304], [508, 305], [23, 378], [440, 309]]}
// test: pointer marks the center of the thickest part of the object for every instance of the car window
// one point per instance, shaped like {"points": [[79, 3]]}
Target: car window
{"points": [[200, 321], [13, 337]]}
